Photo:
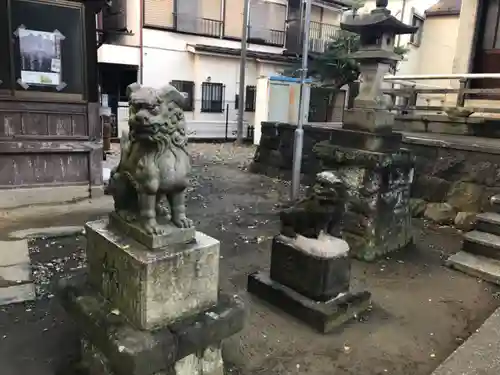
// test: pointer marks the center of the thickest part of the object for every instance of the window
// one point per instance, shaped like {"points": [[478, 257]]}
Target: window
{"points": [[250, 94], [417, 20], [267, 22], [212, 97], [187, 88]]}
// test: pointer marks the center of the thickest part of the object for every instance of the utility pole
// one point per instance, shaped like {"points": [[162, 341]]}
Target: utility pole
{"points": [[299, 132], [243, 60]]}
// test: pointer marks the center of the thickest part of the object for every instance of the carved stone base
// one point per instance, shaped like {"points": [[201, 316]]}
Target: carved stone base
{"points": [[377, 218], [369, 120], [323, 316], [171, 234], [152, 288], [319, 277], [111, 346]]}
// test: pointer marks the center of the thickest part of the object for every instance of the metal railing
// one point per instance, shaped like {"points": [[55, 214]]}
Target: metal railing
{"points": [[320, 34], [411, 92], [266, 36], [198, 25]]}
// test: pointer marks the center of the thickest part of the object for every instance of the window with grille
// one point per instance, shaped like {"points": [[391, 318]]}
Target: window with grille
{"points": [[250, 93], [212, 97], [187, 89], [417, 20]]}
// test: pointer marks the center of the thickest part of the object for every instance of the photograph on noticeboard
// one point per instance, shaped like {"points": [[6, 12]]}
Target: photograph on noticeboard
{"points": [[40, 57]]}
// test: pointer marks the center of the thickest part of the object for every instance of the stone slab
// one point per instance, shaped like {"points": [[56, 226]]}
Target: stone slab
{"points": [[205, 362], [153, 288], [14, 252], [488, 222], [172, 235], [479, 354], [365, 140], [319, 278], [476, 265], [482, 243], [49, 232], [131, 351], [17, 294], [15, 275], [322, 316]]}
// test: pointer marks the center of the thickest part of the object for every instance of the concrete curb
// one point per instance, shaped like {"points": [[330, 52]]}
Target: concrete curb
{"points": [[49, 232], [479, 354]]}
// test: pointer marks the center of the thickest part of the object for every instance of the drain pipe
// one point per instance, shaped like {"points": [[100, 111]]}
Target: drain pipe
{"points": [[403, 11], [140, 74]]}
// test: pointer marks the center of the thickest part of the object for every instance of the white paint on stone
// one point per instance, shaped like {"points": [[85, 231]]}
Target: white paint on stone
{"points": [[325, 246]]}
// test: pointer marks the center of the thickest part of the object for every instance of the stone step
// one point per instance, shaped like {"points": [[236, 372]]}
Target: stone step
{"points": [[482, 243], [495, 203], [488, 222], [475, 265]]}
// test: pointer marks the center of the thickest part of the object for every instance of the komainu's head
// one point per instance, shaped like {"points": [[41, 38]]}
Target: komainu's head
{"points": [[328, 186], [156, 115]]}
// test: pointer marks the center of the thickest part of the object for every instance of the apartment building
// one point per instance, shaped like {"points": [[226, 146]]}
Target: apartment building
{"points": [[196, 46]]}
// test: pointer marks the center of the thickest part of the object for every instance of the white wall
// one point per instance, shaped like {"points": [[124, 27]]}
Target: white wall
{"points": [[166, 58]]}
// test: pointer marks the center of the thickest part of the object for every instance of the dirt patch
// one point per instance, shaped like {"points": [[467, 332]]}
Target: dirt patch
{"points": [[422, 311]]}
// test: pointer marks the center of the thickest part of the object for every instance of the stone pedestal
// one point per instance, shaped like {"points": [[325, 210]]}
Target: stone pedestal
{"points": [[309, 279], [377, 174], [145, 311]]}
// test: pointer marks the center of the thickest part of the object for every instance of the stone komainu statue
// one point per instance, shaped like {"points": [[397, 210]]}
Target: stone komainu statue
{"points": [[152, 176], [322, 210]]}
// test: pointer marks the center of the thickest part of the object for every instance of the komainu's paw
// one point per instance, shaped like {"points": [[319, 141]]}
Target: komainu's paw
{"points": [[152, 227], [182, 221]]}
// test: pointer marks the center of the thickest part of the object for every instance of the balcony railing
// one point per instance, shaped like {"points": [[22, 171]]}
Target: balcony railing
{"points": [[320, 34], [197, 25], [266, 36]]}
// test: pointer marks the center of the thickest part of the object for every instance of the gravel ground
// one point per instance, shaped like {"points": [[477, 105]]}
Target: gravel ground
{"points": [[422, 311]]}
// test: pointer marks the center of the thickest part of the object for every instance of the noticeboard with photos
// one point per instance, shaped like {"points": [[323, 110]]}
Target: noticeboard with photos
{"points": [[47, 52]]}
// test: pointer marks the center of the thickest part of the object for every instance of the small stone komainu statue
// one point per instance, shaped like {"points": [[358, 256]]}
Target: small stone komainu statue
{"points": [[320, 212]]}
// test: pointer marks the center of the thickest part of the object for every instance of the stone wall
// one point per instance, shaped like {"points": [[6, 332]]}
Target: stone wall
{"points": [[451, 182]]}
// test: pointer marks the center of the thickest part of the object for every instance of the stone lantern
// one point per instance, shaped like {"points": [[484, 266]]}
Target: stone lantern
{"points": [[376, 56], [365, 154]]}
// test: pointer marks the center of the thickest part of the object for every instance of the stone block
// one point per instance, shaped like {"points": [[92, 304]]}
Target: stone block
{"points": [[467, 220], [465, 196], [172, 235], [364, 140], [430, 188], [17, 293], [365, 119], [323, 316], [440, 213], [14, 252], [152, 288], [15, 275], [113, 344], [320, 276], [476, 265]]}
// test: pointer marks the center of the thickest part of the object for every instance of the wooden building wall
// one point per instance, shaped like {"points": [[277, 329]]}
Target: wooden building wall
{"points": [[51, 137]]}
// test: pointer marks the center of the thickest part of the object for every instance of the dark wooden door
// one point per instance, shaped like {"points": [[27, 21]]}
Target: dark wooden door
{"points": [[487, 57]]}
